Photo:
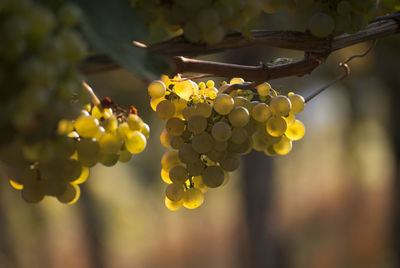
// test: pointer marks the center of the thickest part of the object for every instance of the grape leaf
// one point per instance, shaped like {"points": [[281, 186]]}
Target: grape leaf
{"points": [[111, 26]]}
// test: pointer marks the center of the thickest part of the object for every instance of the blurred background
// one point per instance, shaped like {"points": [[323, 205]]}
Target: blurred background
{"points": [[332, 202]]}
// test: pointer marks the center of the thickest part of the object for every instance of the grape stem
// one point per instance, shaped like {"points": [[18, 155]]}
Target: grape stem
{"points": [[346, 67], [95, 99]]}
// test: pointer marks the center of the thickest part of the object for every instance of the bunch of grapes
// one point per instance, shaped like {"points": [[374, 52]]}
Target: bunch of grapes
{"points": [[104, 133], [206, 20], [209, 130], [328, 17]]}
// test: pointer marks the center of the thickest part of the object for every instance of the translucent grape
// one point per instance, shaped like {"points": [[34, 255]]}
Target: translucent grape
{"points": [[134, 122], [156, 89], [280, 105], [223, 104], [263, 89], [239, 116], [296, 131], [16, 185], [204, 109], [236, 80], [178, 174], [165, 138], [284, 146], [298, 103], [276, 126], [197, 124], [165, 109], [107, 159], [87, 126], [202, 143], [175, 126], [242, 101], [154, 102], [165, 176], [136, 143], [177, 142], [173, 205], [213, 176], [221, 131], [110, 143], [199, 184], [193, 198], [83, 176], [187, 154], [124, 131], [169, 160], [196, 168], [174, 192], [70, 194], [261, 112], [33, 194], [145, 130]]}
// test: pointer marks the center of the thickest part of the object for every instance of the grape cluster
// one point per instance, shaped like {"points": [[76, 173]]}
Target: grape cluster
{"points": [[209, 130], [328, 17], [205, 20], [100, 134]]}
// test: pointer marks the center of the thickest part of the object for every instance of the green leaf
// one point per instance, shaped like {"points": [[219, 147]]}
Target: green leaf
{"points": [[111, 27]]}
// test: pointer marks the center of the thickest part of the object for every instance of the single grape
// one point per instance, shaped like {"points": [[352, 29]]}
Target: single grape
{"points": [[169, 160], [276, 126], [175, 126], [280, 105], [261, 112], [156, 89], [239, 116], [174, 192], [173, 205], [187, 154], [296, 131], [87, 126], [298, 103], [134, 122], [165, 109], [263, 89], [221, 131], [110, 143], [239, 135], [223, 104], [136, 143], [197, 124], [284, 146], [193, 198], [196, 168], [178, 174], [177, 142], [165, 176], [213, 176], [204, 109], [202, 143]]}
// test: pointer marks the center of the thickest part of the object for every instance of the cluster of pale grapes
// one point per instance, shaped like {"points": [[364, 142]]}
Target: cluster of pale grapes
{"points": [[206, 20], [328, 17], [209, 130], [98, 135]]}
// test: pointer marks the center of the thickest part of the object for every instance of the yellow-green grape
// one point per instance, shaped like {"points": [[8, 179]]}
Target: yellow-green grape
{"points": [[223, 104], [213, 176], [230, 163], [188, 112], [261, 112], [136, 143], [298, 103], [199, 184], [173, 205], [263, 89], [276, 126], [107, 159], [290, 119], [321, 24], [165, 138], [97, 113], [65, 127], [70, 194], [239, 135], [134, 122], [220, 145], [87, 126], [202, 85], [33, 193], [280, 105], [145, 130], [204, 109], [187, 154], [100, 133], [272, 6], [110, 124], [110, 143], [296, 131], [178, 174], [212, 93], [184, 89], [193, 198], [83, 177], [242, 101], [197, 124], [202, 143], [284, 146], [156, 89], [169, 160], [221, 131], [174, 192], [210, 83], [175, 126], [236, 80], [239, 116], [165, 110], [165, 176], [177, 142], [154, 102], [16, 185], [270, 151], [124, 131], [196, 168]]}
